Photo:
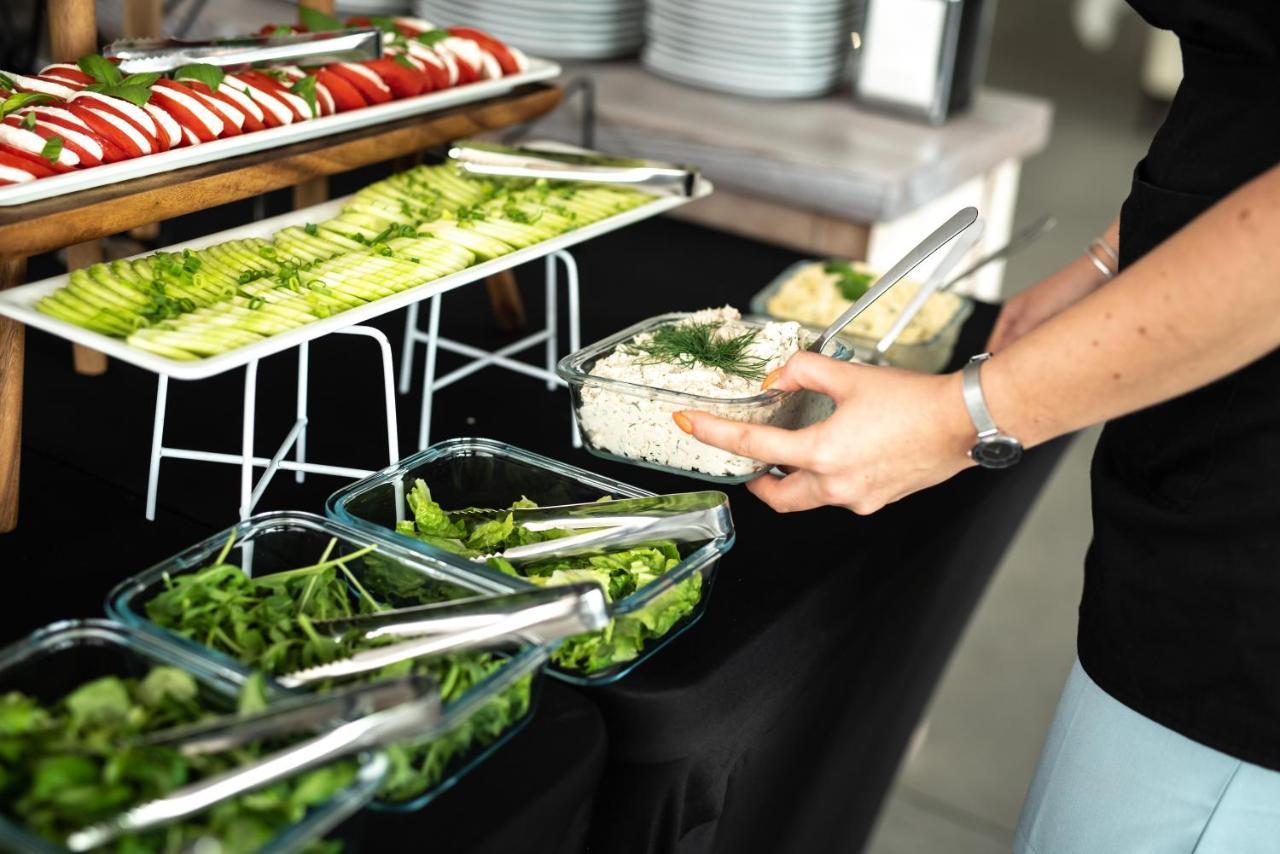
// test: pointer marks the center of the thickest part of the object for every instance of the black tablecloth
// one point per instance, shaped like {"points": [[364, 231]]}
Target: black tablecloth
{"points": [[774, 724]]}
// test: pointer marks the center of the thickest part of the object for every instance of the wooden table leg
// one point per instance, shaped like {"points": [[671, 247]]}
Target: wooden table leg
{"points": [[87, 361], [11, 367], [504, 298]]}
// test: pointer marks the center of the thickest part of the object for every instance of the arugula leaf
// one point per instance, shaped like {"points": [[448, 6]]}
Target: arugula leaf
{"points": [[52, 149], [100, 68], [305, 88], [316, 21]]}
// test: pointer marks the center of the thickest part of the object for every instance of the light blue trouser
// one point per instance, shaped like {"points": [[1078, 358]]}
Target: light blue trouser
{"points": [[1112, 780]]}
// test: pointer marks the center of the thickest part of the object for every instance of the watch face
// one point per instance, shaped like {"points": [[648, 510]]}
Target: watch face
{"points": [[998, 452]]}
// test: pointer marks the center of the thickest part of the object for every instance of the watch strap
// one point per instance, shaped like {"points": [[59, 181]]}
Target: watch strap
{"points": [[974, 400]]}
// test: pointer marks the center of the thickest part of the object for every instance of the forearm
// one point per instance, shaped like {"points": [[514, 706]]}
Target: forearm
{"points": [[1201, 305]]}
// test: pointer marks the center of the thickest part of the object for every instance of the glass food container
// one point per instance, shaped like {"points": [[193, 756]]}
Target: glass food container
{"points": [[929, 356], [485, 473], [476, 721], [631, 423], [55, 660]]}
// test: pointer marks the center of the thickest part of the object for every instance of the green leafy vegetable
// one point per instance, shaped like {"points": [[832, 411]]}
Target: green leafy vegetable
{"points": [[29, 121], [52, 149], [852, 283], [210, 75], [700, 343], [316, 21], [305, 88], [430, 37], [267, 621], [69, 764], [133, 93], [100, 68], [18, 100], [620, 574]]}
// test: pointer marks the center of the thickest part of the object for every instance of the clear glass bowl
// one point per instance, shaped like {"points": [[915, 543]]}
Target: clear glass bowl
{"points": [[930, 356], [631, 423], [55, 660], [274, 542], [486, 473]]}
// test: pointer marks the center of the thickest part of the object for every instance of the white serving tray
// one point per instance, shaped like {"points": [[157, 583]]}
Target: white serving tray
{"points": [[232, 146], [19, 303]]}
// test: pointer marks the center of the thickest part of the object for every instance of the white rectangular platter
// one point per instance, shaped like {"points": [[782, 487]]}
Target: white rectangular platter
{"points": [[232, 146], [19, 303]]}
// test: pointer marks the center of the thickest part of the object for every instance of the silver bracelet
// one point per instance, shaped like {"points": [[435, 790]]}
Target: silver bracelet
{"points": [[1099, 243], [1103, 267]]}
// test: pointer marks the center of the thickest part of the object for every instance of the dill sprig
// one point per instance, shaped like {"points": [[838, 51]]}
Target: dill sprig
{"points": [[688, 344]]}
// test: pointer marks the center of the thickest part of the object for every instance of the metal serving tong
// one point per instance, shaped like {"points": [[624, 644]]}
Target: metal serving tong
{"points": [[559, 162], [682, 517], [397, 723], [288, 716], [944, 234], [559, 612], [164, 54], [936, 281]]}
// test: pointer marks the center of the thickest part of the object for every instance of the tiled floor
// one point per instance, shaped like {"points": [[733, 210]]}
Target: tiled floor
{"points": [[960, 792]]}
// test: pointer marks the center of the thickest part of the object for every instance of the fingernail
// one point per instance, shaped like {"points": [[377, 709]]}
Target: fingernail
{"points": [[682, 421], [772, 378]]}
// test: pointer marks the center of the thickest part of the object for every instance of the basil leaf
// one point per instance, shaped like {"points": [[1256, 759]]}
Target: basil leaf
{"points": [[100, 69], [52, 149], [305, 89], [316, 21], [209, 75], [136, 95], [29, 121], [282, 31], [18, 100], [401, 59], [7, 82], [430, 37], [148, 80]]}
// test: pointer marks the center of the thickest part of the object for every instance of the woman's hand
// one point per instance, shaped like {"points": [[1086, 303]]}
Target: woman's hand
{"points": [[893, 433], [1034, 306]]}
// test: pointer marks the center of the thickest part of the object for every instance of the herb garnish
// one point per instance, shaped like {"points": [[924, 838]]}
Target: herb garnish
{"points": [[852, 283], [689, 344]]}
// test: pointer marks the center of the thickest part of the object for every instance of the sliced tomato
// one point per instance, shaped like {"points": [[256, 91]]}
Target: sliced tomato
{"points": [[366, 80], [127, 139], [440, 64], [34, 159], [86, 151], [28, 163], [467, 54], [412, 27], [137, 118], [189, 110], [232, 117], [498, 49], [434, 76], [59, 89], [67, 72], [84, 142], [168, 131], [297, 105], [235, 100], [345, 96], [402, 81], [274, 112], [32, 141], [359, 21]]}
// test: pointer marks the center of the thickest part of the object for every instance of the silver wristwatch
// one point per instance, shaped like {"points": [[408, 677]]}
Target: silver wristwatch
{"points": [[994, 450]]}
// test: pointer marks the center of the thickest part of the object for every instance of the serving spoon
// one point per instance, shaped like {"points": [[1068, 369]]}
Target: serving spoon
{"points": [[943, 235]]}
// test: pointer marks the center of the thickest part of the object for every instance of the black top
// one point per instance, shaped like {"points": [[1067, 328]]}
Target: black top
{"points": [[1180, 618]]}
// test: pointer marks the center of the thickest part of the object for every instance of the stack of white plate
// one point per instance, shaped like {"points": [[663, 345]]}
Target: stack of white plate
{"points": [[560, 29], [764, 48]]}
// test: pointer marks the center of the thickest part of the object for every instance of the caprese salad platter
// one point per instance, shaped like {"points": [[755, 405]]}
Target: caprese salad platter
{"points": [[222, 301], [80, 125]]}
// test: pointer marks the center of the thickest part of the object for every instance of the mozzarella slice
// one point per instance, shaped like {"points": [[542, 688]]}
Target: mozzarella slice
{"points": [[60, 113], [123, 125], [465, 50], [226, 111], [521, 58], [325, 100], [128, 108], [190, 137], [298, 102], [242, 100], [16, 175], [265, 101], [369, 74], [33, 142], [88, 143], [490, 69], [167, 124], [196, 107], [422, 25], [45, 87]]}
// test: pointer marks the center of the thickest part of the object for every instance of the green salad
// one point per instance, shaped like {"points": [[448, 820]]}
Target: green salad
{"points": [[68, 764], [620, 573], [267, 622]]}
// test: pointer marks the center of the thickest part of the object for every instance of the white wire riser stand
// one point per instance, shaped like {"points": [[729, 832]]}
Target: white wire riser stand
{"points": [[501, 358], [296, 439]]}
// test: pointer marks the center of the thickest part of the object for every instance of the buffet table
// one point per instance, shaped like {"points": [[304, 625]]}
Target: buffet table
{"points": [[791, 700]]}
